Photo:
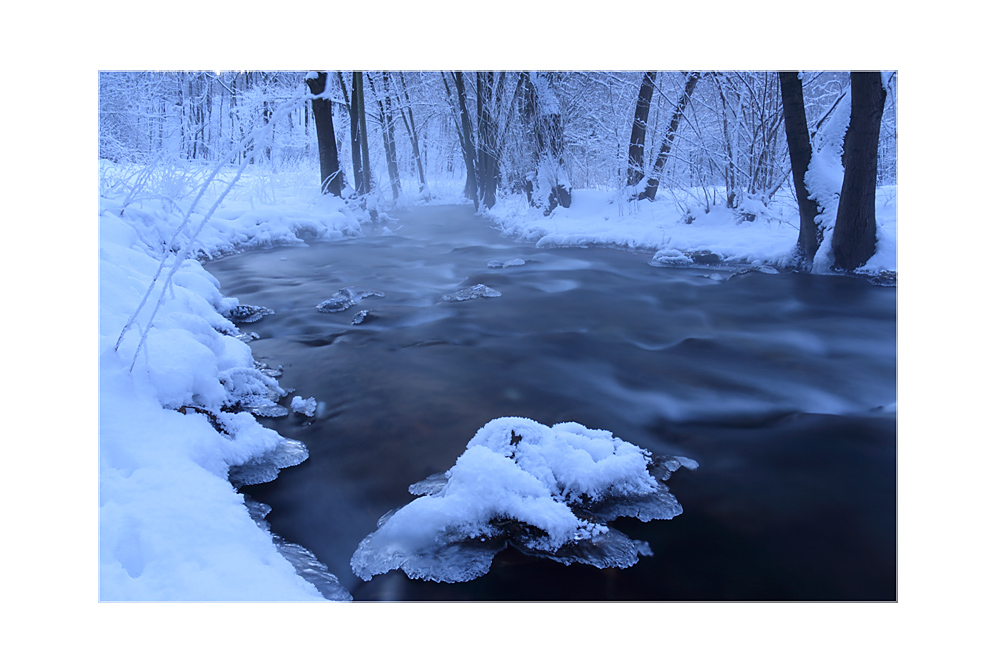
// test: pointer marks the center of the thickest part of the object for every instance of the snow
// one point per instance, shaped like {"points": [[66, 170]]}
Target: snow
{"points": [[676, 227], [304, 406], [531, 485], [173, 524]]}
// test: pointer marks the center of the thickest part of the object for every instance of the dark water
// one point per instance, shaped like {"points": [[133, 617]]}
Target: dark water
{"points": [[783, 388]]}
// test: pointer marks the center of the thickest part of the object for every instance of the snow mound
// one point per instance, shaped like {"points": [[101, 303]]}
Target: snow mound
{"points": [[547, 491], [304, 406], [474, 292]]}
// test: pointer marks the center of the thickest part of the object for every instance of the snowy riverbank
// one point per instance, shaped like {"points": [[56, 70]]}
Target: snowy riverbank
{"points": [[675, 228], [172, 527]]}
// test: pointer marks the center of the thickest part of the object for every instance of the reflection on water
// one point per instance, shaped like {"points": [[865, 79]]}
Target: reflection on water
{"points": [[781, 386]]}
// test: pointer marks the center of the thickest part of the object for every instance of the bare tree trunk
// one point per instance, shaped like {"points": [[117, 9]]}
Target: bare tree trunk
{"points": [[331, 178], [359, 174], [854, 232], [487, 161], [388, 139], [358, 99], [411, 128], [468, 143], [730, 167], [653, 182], [800, 153], [637, 143]]}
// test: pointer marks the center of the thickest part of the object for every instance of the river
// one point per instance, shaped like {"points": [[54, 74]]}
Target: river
{"points": [[782, 387]]}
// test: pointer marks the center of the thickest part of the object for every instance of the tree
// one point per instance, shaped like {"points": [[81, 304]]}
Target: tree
{"points": [[384, 103], [637, 142], [406, 112], [854, 231], [466, 140], [548, 183], [359, 132], [653, 182], [358, 103], [800, 154], [331, 178], [487, 84]]}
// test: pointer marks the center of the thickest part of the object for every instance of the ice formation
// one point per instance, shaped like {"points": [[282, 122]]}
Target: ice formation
{"points": [[473, 292], [547, 491], [345, 298], [304, 561], [245, 313], [498, 264], [265, 468]]}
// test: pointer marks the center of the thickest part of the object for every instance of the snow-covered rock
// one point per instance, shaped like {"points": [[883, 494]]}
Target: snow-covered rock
{"points": [[548, 491]]}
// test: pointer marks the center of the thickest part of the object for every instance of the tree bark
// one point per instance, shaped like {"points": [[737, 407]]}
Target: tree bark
{"points": [[854, 232], [411, 128], [487, 153], [352, 110], [653, 182], [384, 103], [331, 179], [468, 143], [637, 142], [800, 154], [358, 99]]}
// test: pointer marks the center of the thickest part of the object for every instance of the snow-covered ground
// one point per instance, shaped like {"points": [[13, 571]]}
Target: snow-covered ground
{"points": [[675, 227], [172, 527]]}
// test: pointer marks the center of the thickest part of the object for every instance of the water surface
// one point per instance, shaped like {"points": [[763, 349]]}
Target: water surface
{"points": [[781, 386]]}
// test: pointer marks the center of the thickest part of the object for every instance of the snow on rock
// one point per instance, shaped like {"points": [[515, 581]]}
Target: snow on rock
{"points": [[304, 406], [474, 292], [500, 264], [246, 314], [345, 298], [547, 491]]}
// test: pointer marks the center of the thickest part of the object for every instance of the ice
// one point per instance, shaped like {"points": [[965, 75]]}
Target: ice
{"points": [[245, 314], [546, 491], [304, 561], [262, 469], [474, 292], [305, 406], [267, 370], [345, 298], [249, 388], [499, 264], [271, 410]]}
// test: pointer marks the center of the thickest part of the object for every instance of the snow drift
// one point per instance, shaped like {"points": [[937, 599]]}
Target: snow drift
{"points": [[178, 388]]}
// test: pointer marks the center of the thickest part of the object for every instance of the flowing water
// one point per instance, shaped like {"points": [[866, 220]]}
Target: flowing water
{"points": [[782, 386]]}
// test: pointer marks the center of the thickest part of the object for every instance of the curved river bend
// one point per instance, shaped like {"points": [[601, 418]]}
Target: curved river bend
{"points": [[782, 386]]}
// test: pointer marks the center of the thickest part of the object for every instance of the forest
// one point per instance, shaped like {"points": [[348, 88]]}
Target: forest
{"points": [[527, 299], [705, 140]]}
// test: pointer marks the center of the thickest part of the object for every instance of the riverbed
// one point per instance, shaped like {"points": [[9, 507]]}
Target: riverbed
{"points": [[782, 386]]}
